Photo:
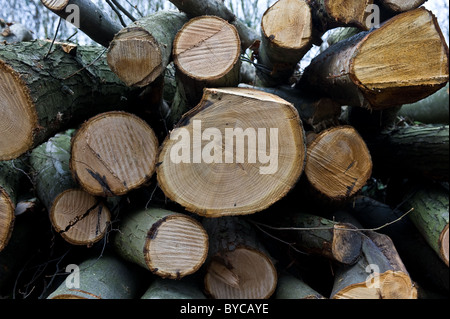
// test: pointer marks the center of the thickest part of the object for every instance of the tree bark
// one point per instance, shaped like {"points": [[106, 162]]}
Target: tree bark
{"points": [[87, 17], [195, 8], [292, 287], [113, 153], [430, 216], [219, 179], [170, 245], [397, 6], [105, 277], [420, 151], [384, 67], [338, 163], [140, 53], [238, 265], [43, 95], [186, 288], [286, 36]]}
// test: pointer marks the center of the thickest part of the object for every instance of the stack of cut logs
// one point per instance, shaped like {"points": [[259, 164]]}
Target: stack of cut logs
{"points": [[188, 156]]}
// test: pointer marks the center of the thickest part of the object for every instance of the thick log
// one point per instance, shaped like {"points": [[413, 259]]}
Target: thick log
{"points": [[433, 109], [113, 153], [316, 113], [238, 266], [286, 36], [185, 288], [403, 61], [316, 235], [170, 245], [42, 95], [104, 277], [378, 274], [206, 53], [330, 14], [87, 17], [338, 163], [11, 177], [195, 8], [15, 32], [140, 53], [397, 6], [431, 216], [419, 150], [293, 287], [80, 218], [422, 262], [210, 176]]}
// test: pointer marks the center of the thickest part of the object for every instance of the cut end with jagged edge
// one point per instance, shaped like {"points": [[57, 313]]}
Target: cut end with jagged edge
{"points": [[414, 56], [206, 48], [176, 247], [387, 285], [55, 5], [201, 168], [80, 218], [17, 113], [443, 243], [350, 14], [288, 24], [338, 163], [6, 218], [135, 57], [248, 274], [113, 153]]}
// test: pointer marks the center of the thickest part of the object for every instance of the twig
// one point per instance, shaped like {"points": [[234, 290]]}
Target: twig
{"points": [[117, 12], [136, 8], [121, 8], [85, 67], [54, 39]]}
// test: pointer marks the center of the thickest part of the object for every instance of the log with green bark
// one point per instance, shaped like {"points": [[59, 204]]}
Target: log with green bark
{"points": [[195, 8], [293, 287], [403, 61], [169, 244], [238, 264], [186, 288], [430, 215], [87, 17], [103, 277], [44, 92], [140, 52]]}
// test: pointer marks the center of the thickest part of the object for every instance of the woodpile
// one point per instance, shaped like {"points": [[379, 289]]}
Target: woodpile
{"points": [[156, 168]]}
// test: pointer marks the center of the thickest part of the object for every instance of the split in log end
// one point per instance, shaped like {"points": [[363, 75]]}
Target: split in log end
{"points": [[6, 219]]}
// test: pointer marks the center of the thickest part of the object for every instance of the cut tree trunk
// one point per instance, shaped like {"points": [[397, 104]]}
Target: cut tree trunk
{"points": [[113, 153], [316, 235], [403, 61], [318, 113], [87, 17], [186, 288], [206, 53], [209, 176], [80, 218], [15, 33], [420, 259], [431, 216], [330, 14], [238, 266], [292, 287], [170, 245], [140, 53], [338, 163], [420, 151], [397, 6], [286, 36], [195, 8], [105, 277], [11, 176], [378, 274], [41, 96], [434, 109]]}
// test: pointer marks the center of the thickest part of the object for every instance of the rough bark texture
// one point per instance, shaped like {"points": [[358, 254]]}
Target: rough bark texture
{"points": [[140, 53], [89, 18], [214, 181], [42, 96], [385, 67], [195, 8], [105, 277], [171, 245], [238, 265]]}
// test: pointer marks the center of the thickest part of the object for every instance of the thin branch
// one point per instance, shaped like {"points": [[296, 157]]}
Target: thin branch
{"points": [[85, 67], [135, 7], [117, 12], [54, 39], [121, 8]]}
